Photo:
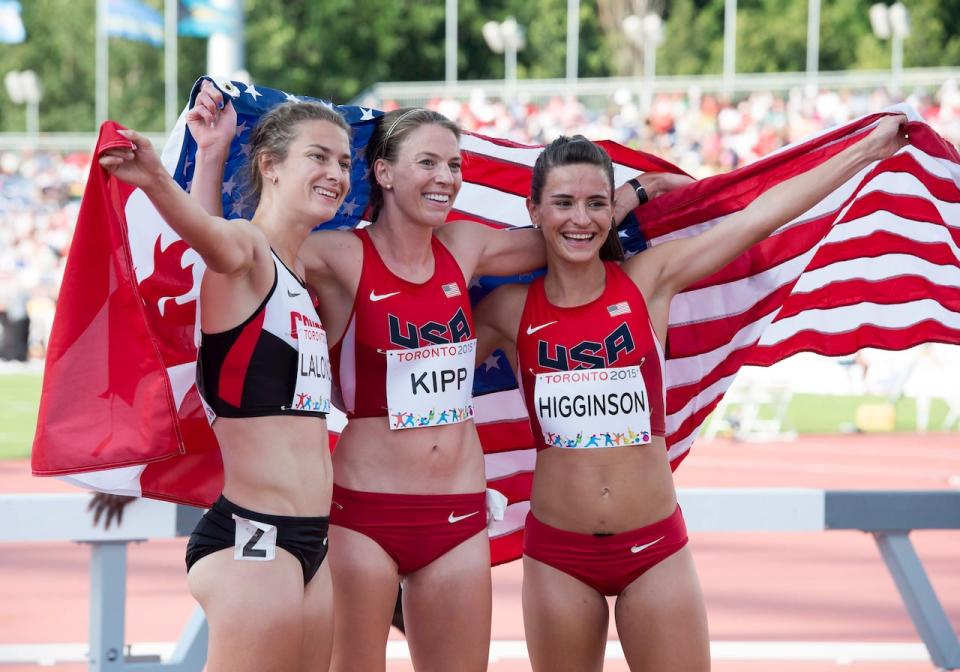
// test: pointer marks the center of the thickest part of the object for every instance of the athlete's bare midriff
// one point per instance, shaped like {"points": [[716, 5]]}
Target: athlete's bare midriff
{"points": [[605, 490], [276, 464], [427, 460]]}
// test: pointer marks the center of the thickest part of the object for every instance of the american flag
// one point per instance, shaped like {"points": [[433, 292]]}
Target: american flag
{"points": [[875, 264], [451, 290], [622, 308]]}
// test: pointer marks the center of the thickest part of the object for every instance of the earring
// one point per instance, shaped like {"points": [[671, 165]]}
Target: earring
{"points": [[275, 180], [388, 187]]}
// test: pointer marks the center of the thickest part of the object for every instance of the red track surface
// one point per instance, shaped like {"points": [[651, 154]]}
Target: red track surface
{"points": [[828, 586]]}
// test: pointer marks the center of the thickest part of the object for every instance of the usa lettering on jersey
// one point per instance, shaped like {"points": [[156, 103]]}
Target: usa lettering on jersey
{"points": [[410, 335], [587, 354]]}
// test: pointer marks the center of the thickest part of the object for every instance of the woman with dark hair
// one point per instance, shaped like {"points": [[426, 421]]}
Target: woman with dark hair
{"points": [[588, 337], [255, 561]]}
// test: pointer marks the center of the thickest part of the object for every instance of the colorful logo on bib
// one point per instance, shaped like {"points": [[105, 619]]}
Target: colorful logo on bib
{"points": [[307, 402], [602, 440], [449, 416]]}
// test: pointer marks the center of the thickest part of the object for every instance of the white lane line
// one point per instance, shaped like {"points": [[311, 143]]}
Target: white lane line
{"points": [[515, 649]]}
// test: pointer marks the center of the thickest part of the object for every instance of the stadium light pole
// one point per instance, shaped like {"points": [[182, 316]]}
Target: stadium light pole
{"points": [[813, 46], [450, 61], [573, 45], [170, 8], [102, 65], [729, 44], [892, 23], [506, 37], [225, 46], [646, 32], [24, 89]]}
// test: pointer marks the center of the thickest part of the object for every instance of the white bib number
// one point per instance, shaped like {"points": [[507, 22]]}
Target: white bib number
{"points": [[430, 386], [593, 408], [253, 540], [313, 371]]}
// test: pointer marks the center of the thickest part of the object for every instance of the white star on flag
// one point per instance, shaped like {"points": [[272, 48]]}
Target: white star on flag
{"points": [[349, 207], [252, 90], [229, 186], [241, 127], [238, 207], [492, 362], [367, 114], [291, 98]]}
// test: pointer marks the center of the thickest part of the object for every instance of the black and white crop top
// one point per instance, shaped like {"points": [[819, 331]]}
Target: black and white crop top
{"points": [[274, 363]]}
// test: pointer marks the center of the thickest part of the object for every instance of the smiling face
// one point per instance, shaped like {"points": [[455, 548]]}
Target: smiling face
{"points": [[314, 178], [574, 212], [426, 176]]}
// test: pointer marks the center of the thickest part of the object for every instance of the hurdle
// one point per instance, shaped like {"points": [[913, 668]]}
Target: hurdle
{"points": [[889, 516], [64, 517]]}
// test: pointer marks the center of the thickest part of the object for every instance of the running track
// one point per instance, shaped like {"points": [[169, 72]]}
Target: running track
{"points": [[770, 587]]}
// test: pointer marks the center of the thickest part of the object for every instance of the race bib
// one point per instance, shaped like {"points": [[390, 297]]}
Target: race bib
{"points": [[593, 408], [430, 386], [254, 540], [313, 371]]}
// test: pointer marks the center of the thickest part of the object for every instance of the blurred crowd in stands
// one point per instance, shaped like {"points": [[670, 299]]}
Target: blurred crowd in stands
{"points": [[39, 200], [702, 133]]}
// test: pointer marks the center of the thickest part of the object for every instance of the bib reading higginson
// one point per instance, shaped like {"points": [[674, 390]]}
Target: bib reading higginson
{"points": [[593, 408], [430, 386], [313, 372]]}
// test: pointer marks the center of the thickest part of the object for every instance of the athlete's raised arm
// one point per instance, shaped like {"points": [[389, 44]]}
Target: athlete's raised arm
{"points": [[627, 196], [212, 122], [664, 270], [226, 247]]}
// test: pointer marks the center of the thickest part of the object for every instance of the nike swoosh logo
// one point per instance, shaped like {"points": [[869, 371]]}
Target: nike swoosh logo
{"points": [[533, 330], [293, 294], [456, 519], [637, 549], [380, 297]]}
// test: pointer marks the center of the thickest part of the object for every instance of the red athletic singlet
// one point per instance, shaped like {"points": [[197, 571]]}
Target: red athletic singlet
{"points": [[391, 314], [613, 394]]}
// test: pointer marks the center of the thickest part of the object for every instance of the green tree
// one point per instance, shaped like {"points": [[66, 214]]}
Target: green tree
{"points": [[60, 48], [694, 38]]}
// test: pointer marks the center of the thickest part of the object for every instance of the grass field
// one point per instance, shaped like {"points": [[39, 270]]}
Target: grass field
{"points": [[828, 414], [807, 413], [19, 398]]}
